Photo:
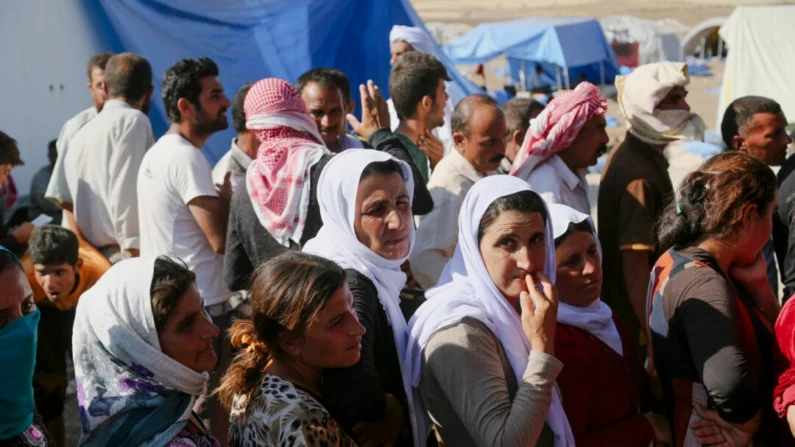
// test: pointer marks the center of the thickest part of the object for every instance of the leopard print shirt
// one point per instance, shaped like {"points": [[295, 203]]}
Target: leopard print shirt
{"points": [[282, 415]]}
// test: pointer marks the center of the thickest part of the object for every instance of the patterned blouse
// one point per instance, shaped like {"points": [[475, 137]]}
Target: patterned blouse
{"points": [[194, 435], [281, 414]]}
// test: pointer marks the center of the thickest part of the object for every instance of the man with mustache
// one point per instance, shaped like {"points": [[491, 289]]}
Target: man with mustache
{"points": [[102, 162], [182, 212], [479, 132], [562, 141]]}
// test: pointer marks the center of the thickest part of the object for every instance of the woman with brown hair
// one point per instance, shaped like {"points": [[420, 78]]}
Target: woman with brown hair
{"points": [[302, 323], [711, 308]]}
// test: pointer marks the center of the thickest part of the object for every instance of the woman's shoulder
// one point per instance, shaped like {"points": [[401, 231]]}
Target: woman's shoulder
{"points": [[469, 333]]}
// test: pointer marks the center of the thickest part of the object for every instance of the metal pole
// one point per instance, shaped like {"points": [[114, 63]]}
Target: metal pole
{"points": [[566, 77], [720, 48], [522, 77], [557, 78], [703, 48], [602, 72]]}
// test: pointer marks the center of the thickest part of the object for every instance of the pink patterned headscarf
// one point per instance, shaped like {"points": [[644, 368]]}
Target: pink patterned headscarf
{"points": [[558, 126], [278, 179]]}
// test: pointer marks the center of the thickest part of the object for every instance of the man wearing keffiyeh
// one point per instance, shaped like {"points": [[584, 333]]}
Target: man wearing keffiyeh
{"points": [[562, 141]]}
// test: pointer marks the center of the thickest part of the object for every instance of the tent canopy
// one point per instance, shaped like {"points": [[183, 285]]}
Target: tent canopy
{"points": [[693, 39], [657, 42], [255, 39], [759, 61], [568, 43]]}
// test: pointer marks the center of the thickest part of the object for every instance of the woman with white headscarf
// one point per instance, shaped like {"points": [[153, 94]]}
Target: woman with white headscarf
{"points": [[142, 348], [480, 350], [605, 388], [365, 202]]}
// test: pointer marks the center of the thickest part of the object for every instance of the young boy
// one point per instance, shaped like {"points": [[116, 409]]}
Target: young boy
{"points": [[59, 268]]}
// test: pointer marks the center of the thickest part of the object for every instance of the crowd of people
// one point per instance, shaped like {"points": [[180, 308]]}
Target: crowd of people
{"points": [[433, 277]]}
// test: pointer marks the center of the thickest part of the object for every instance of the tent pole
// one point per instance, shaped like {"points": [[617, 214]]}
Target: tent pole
{"points": [[566, 77], [557, 78], [720, 48], [602, 73], [703, 48], [522, 77]]}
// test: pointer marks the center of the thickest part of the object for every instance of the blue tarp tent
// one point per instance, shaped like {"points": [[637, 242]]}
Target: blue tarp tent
{"points": [[254, 39], [565, 47]]}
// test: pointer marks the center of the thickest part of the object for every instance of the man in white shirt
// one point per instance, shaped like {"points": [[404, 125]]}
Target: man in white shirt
{"points": [[244, 147], [479, 132], [185, 217], [57, 189], [327, 96], [567, 137], [103, 159]]}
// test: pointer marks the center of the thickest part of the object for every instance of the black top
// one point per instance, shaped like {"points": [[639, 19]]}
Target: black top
{"points": [[784, 227], [358, 394], [248, 244]]}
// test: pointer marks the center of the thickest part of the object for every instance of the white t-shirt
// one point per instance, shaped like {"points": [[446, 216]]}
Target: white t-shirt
{"points": [[172, 174]]}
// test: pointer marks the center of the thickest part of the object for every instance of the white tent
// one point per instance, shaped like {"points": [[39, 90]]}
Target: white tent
{"points": [[761, 56], [657, 42], [693, 39]]}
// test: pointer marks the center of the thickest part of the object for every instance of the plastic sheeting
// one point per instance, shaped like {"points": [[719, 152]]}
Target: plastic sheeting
{"points": [[761, 58], [655, 42], [577, 44], [254, 39]]}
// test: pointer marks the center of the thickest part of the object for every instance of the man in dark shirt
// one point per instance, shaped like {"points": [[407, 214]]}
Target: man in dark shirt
{"points": [[757, 126]]}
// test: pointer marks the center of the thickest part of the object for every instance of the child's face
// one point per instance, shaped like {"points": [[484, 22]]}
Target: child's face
{"points": [[57, 281]]}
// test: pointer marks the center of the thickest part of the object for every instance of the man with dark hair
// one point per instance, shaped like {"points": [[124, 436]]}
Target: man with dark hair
{"points": [[12, 239], [185, 215], [38, 187], [757, 126], [244, 147], [59, 269], [417, 87], [479, 130], [103, 160], [518, 113], [57, 189], [323, 91]]}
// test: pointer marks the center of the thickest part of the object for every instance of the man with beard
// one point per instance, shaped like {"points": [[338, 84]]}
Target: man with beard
{"points": [[636, 187], [567, 137], [479, 131], [103, 160], [182, 213], [417, 87]]}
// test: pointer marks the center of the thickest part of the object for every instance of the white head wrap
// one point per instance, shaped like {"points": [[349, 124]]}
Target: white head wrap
{"points": [[414, 36]]}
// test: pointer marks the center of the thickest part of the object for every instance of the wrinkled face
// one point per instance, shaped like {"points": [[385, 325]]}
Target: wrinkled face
{"points": [[334, 338], [16, 300], [383, 217], [397, 49], [579, 269], [484, 144], [765, 138], [5, 170], [188, 334], [327, 109], [512, 247], [57, 281], [676, 99], [755, 233], [589, 145], [97, 88], [211, 114]]}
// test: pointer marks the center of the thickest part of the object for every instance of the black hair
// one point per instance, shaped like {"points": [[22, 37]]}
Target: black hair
{"points": [[171, 279], [9, 152], [385, 167], [414, 76], [518, 112], [238, 112], [326, 78], [583, 226], [53, 245], [740, 114], [462, 114], [128, 76], [98, 61], [8, 259], [526, 202], [184, 80]]}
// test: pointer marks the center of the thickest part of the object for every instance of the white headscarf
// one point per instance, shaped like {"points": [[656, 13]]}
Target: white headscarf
{"points": [[120, 368], [414, 36], [597, 317], [639, 94], [337, 241], [466, 290]]}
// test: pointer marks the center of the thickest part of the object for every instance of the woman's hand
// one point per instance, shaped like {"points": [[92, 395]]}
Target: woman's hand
{"points": [[662, 431], [540, 312], [712, 430]]}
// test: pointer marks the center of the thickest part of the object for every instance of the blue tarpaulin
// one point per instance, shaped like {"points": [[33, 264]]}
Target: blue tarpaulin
{"points": [[255, 39], [577, 44]]}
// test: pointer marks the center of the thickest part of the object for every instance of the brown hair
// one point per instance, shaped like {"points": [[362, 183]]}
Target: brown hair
{"points": [[711, 200], [170, 280], [9, 152], [414, 76], [98, 61], [287, 293]]}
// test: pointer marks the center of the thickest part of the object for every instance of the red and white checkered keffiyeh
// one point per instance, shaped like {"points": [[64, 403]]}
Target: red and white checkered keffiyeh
{"points": [[278, 179], [558, 126]]}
